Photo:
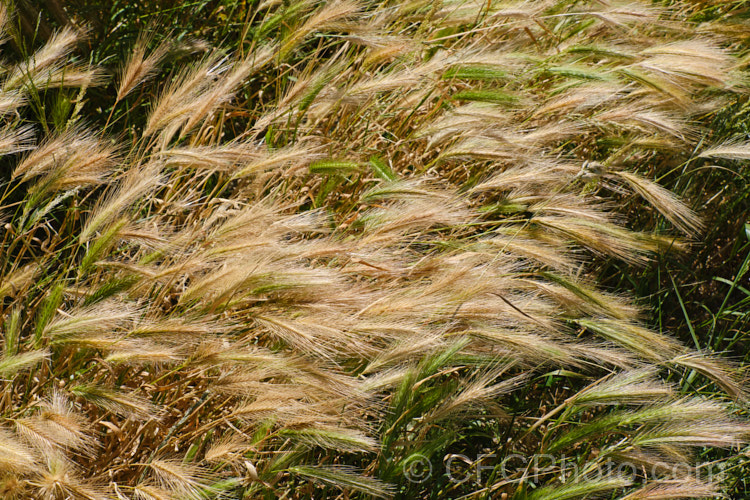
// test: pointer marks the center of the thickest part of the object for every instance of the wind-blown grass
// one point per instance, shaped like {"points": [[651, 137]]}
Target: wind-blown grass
{"points": [[386, 258]]}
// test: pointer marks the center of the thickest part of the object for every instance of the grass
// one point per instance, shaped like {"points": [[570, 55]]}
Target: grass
{"points": [[370, 240]]}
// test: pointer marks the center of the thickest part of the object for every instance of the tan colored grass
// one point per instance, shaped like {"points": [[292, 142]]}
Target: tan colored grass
{"points": [[381, 237]]}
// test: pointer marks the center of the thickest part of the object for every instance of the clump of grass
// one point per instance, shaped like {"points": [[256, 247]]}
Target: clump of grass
{"points": [[385, 258]]}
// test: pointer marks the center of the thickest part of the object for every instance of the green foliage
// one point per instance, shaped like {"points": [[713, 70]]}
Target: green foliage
{"points": [[303, 248]]}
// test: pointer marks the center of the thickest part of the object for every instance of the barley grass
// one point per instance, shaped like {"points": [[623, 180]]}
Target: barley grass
{"points": [[361, 240]]}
